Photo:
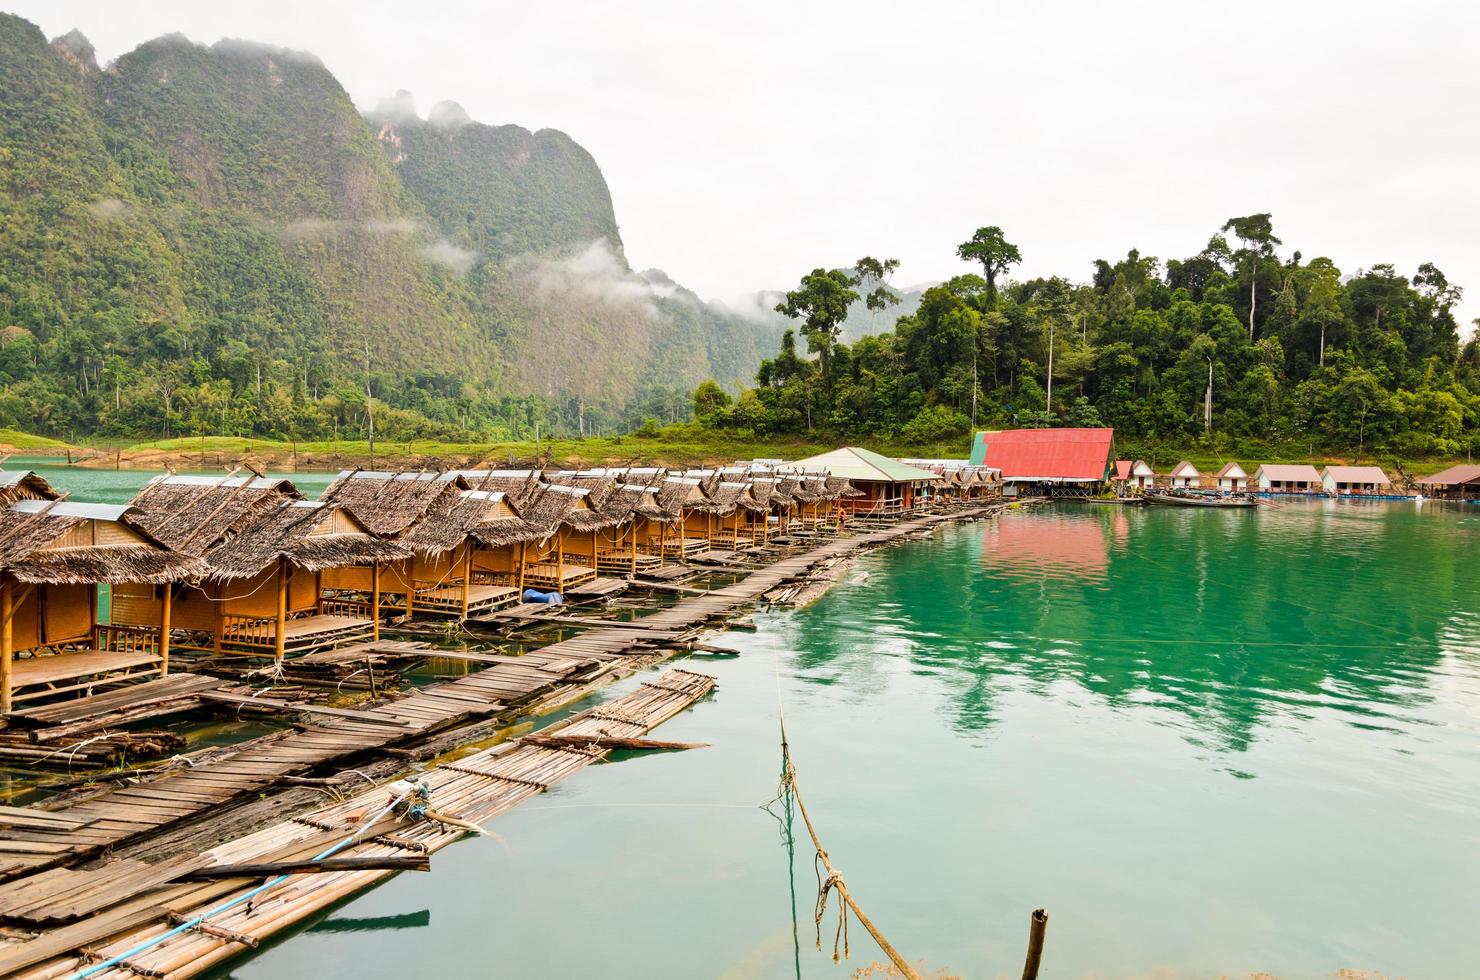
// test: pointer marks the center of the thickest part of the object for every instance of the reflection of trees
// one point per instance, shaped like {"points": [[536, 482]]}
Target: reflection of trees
{"points": [[1228, 619]]}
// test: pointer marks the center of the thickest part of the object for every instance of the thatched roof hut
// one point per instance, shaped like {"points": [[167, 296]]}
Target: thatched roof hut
{"points": [[724, 498], [194, 513], [558, 505], [629, 500], [57, 542], [311, 535], [390, 504], [24, 485], [487, 516], [521, 486]]}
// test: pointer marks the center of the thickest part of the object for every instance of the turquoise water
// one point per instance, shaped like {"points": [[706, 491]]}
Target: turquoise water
{"points": [[1208, 743], [104, 486]]}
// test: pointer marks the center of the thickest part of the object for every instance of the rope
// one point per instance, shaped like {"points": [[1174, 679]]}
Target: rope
{"points": [[789, 790]]}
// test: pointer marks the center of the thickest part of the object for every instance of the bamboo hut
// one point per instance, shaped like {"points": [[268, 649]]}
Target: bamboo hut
{"points": [[683, 531], [715, 515], [54, 555], [265, 551], [498, 540], [566, 553], [635, 508], [433, 515], [756, 507]]}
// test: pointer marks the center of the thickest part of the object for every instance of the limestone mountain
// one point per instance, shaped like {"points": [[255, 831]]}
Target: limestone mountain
{"points": [[216, 240]]}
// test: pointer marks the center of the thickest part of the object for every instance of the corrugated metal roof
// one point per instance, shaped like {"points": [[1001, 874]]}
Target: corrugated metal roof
{"points": [[1453, 476], [1357, 474], [1079, 455], [68, 508], [855, 463], [1289, 472]]}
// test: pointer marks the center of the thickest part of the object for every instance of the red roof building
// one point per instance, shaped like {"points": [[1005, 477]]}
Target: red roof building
{"points": [[1046, 455]]}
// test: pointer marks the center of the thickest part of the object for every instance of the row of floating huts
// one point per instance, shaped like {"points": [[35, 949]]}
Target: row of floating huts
{"points": [[1138, 475], [93, 595]]}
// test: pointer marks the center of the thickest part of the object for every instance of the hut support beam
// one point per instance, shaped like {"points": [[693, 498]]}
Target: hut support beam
{"points": [[375, 601], [166, 603], [7, 640], [632, 546], [280, 636], [467, 575]]}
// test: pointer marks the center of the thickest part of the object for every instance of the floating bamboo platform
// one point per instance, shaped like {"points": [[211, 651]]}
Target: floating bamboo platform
{"points": [[81, 918]]}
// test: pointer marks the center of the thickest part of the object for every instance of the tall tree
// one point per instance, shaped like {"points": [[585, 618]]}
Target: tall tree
{"points": [[1256, 231], [821, 302], [995, 253], [875, 273]]}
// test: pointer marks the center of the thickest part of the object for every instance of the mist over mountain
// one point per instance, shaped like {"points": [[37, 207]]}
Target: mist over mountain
{"points": [[214, 239]]}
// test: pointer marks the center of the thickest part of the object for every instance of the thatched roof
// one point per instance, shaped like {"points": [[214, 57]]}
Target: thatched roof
{"points": [[24, 485], [630, 500], [673, 494], [389, 504], [194, 513], [558, 505], [724, 498], [522, 486], [487, 516], [839, 486], [310, 534], [52, 542], [598, 486]]}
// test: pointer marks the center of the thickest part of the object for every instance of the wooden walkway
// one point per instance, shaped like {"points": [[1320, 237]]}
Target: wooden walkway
{"points": [[183, 793], [113, 909]]}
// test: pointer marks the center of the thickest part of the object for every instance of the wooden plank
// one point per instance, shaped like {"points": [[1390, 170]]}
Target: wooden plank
{"points": [[17, 816]]}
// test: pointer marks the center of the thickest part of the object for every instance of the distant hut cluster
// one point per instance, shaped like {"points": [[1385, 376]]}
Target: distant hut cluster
{"points": [[1454, 483], [1138, 476]]}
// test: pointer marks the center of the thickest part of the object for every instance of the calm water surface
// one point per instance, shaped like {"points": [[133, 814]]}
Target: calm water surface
{"points": [[1208, 742]]}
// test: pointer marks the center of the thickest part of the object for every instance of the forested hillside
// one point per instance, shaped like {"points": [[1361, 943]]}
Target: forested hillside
{"points": [[213, 240], [1245, 344]]}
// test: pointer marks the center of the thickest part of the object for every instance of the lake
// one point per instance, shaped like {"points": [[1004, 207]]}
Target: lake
{"points": [[1207, 742]]}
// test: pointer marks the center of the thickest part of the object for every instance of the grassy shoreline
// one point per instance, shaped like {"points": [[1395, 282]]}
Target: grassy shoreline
{"points": [[675, 446]]}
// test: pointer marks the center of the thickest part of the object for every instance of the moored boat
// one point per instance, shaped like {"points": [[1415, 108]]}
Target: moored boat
{"points": [[1177, 497]]}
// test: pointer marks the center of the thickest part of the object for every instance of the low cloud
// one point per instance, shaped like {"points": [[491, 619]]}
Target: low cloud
{"points": [[755, 307], [108, 208], [448, 115], [449, 256], [596, 272], [398, 226], [309, 229], [398, 108]]}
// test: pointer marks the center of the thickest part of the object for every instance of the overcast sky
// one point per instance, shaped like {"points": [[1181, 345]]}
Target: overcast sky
{"points": [[745, 144]]}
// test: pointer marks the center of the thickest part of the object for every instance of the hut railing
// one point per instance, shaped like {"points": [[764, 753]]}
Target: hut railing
{"points": [[257, 631], [126, 639], [355, 608]]}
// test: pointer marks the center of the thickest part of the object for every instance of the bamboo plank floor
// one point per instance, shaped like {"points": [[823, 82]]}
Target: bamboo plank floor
{"points": [[111, 910], [133, 812]]}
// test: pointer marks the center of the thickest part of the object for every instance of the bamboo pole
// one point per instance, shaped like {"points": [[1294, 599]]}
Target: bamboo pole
{"points": [[632, 529], [1037, 928], [280, 640], [375, 601], [467, 576], [166, 603], [7, 640], [523, 546]]}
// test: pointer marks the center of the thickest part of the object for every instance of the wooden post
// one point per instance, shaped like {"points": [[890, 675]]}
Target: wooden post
{"points": [[218, 610], [662, 533], [280, 639], [467, 576], [166, 602], [522, 546], [593, 549], [560, 563], [410, 565], [7, 640], [375, 601], [1037, 927], [632, 529]]}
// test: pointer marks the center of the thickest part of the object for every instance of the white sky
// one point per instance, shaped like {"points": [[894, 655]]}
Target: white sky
{"points": [[745, 144]]}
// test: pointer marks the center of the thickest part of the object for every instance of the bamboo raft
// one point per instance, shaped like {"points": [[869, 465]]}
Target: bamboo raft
{"points": [[83, 918]]}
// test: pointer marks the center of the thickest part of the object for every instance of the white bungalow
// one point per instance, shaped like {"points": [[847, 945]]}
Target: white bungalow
{"points": [[1354, 479], [1232, 477], [1142, 475], [1184, 474], [1287, 478]]}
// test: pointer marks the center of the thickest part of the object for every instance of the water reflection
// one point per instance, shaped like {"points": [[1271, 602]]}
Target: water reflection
{"points": [[1224, 622], [375, 923]]}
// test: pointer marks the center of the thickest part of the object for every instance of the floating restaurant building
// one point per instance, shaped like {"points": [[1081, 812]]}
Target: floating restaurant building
{"points": [[883, 487], [1457, 482], [1047, 462]]}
